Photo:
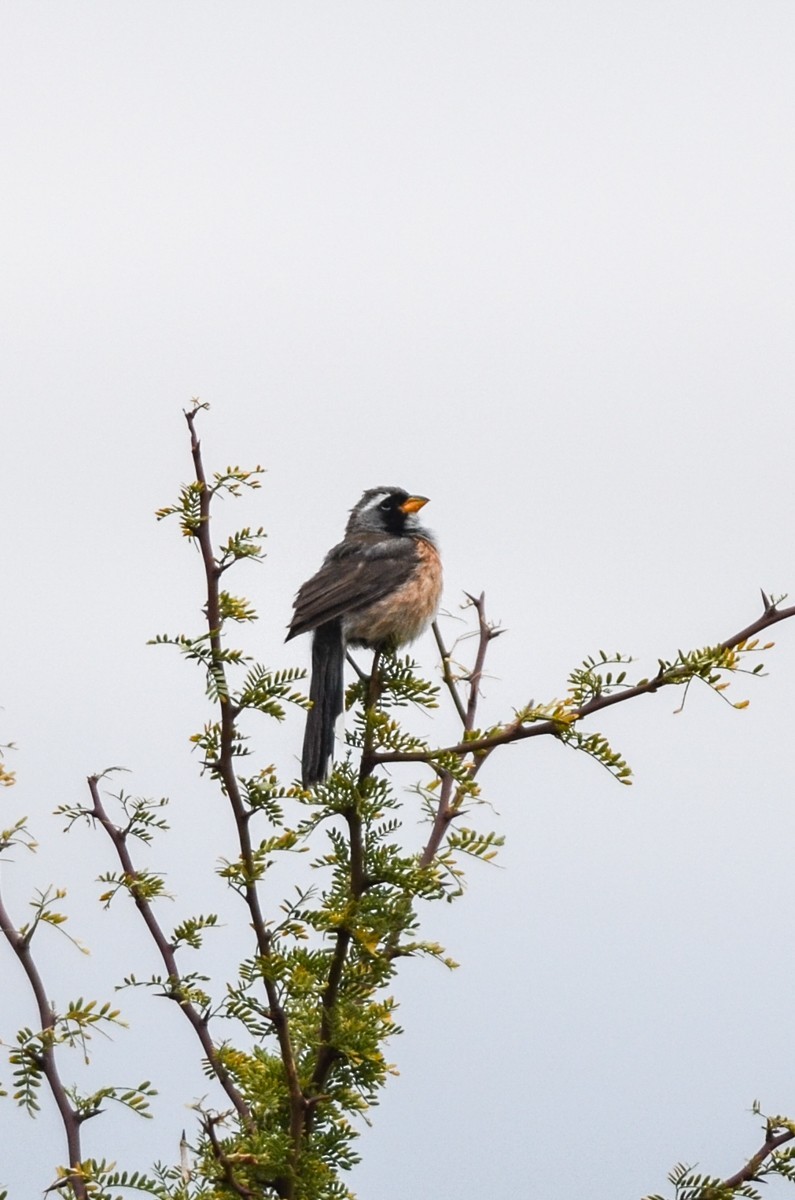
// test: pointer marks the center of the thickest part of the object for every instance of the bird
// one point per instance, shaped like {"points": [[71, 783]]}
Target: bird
{"points": [[379, 588]]}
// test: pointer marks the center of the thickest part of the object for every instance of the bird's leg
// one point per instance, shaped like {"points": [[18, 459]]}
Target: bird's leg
{"points": [[351, 661]]}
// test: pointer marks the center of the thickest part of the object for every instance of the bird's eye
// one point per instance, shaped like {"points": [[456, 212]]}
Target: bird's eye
{"points": [[385, 505]]}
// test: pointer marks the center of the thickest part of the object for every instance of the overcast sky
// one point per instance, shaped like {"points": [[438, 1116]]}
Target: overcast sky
{"points": [[534, 260]]}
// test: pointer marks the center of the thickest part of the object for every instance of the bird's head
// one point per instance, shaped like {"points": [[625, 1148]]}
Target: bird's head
{"points": [[386, 509]]}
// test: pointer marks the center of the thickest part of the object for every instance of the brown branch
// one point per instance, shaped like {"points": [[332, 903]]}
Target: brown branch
{"points": [[70, 1117], [517, 732], [748, 1173], [441, 822], [229, 781], [166, 951], [770, 616], [486, 633], [446, 807], [447, 673], [239, 1189], [327, 1054], [225, 763]]}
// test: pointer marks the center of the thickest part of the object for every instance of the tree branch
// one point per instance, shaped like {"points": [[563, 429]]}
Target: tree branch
{"points": [[447, 673], [748, 1173], [238, 1188], [486, 633], [447, 808], [166, 951], [231, 787], [517, 732], [69, 1115]]}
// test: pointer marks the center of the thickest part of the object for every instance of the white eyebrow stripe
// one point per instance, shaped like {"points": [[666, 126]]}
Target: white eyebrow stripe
{"points": [[376, 500]]}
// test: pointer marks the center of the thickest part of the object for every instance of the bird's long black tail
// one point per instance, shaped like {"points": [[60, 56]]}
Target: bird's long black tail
{"points": [[326, 694]]}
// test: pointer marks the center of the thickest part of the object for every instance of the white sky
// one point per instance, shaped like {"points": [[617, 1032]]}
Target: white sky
{"points": [[534, 260]]}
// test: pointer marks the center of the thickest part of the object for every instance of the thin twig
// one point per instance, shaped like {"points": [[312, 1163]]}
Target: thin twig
{"points": [[447, 673]]}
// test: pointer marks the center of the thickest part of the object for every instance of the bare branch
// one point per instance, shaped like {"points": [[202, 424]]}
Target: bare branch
{"points": [[447, 673], [447, 807], [486, 633]]}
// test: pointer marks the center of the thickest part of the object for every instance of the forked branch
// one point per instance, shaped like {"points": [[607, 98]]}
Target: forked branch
{"points": [[447, 807]]}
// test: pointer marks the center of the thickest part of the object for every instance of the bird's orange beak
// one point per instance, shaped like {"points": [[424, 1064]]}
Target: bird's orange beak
{"points": [[413, 504]]}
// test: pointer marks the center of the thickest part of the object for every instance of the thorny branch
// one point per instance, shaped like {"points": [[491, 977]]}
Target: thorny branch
{"points": [[447, 807], [447, 673], [70, 1118], [749, 1173]]}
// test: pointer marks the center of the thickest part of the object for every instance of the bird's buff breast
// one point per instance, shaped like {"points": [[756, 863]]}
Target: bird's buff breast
{"points": [[403, 616]]}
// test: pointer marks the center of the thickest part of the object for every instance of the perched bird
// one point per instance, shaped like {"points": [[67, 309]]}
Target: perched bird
{"points": [[380, 587]]}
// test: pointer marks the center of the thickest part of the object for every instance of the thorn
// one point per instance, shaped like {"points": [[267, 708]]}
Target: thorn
{"points": [[765, 601]]}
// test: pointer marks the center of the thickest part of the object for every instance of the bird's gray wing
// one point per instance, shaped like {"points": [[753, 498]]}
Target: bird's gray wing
{"points": [[352, 577]]}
